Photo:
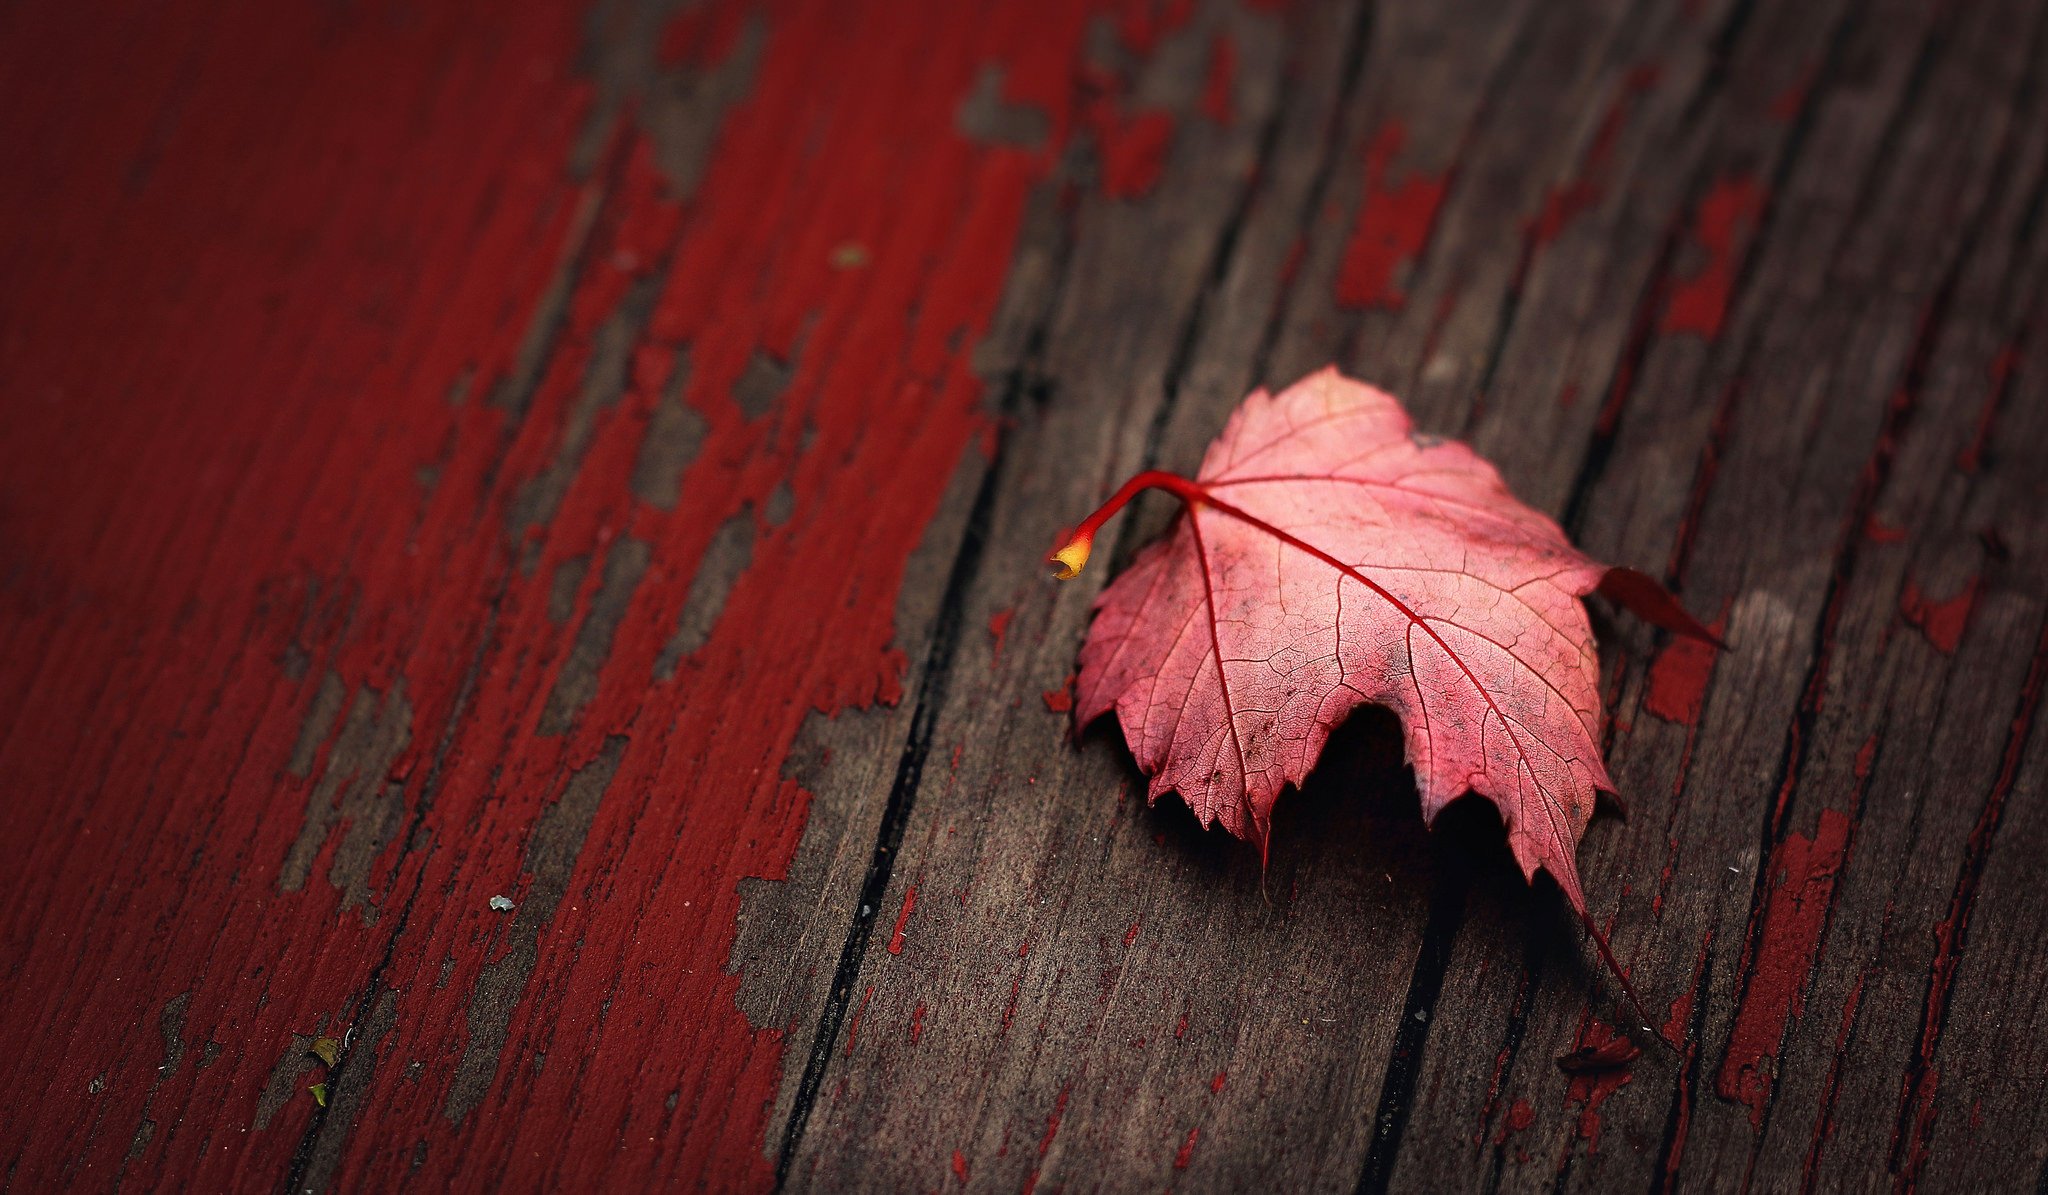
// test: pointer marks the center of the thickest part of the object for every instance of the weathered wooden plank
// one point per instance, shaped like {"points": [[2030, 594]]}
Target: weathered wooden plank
{"points": [[1808, 438], [1713, 133], [879, 1119], [968, 930], [618, 484]]}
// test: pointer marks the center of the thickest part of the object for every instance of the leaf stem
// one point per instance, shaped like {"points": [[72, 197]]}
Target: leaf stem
{"points": [[1621, 977], [1072, 556]]}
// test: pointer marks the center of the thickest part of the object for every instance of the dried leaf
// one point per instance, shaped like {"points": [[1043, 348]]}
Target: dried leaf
{"points": [[1329, 557]]}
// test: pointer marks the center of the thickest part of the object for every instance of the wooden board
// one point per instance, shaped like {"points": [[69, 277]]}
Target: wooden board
{"points": [[602, 458]]}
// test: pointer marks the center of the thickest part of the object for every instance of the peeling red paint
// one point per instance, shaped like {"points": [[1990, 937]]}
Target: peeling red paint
{"points": [[1060, 700], [1131, 934], [374, 211], [1134, 153], [917, 1023], [1216, 88], [1797, 909], [1824, 1122], [1187, 1150], [1786, 106], [902, 919], [1678, 1029], [960, 1167], [1722, 227], [1877, 531], [1290, 265], [1591, 1089], [701, 35], [1520, 1116], [998, 627], [1918, 1093], [1588, 1060], [853, 1028], [1216, 1084], [1393, 227], [1678, 679], [1569, 200], [1141, 24], [1052, 1122], [1941, 621], [1502, 1058], [1665, 873], [2003, 366], [1917, 1103]]}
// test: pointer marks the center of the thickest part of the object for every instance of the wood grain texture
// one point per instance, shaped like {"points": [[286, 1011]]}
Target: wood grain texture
{"points": [[602, 455]]}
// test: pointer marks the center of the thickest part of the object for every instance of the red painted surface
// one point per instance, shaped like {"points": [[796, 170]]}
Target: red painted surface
{"points": [[1678, 679], [1801, 897], [1917, 1106], [960, 1167], [1187, 1150], [1521, 1114], [261, 289], [998, 629], [1824, 1123], [1678, 1029], [1569, 200], [1052, 1130], [1394, 223], [1140, 24], [903, 919], [1790, 101], [853, 1027], [2003, 367], [1591, 1089], [1942, 621], [1133, 152], [1722, 228], [1222, 76]]}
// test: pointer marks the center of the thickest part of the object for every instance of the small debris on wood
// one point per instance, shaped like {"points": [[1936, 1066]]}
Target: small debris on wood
{"points": [[1619, 1052], [319, 1091], [850, 255], [326, 1049], [502, 904]]}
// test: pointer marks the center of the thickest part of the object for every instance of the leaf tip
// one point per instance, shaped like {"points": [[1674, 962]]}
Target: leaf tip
{"points": [[1646, 598], [1071, 558]]}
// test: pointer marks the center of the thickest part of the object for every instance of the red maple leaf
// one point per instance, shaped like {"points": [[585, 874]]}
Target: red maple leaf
{"points": [[1329, 557]]}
